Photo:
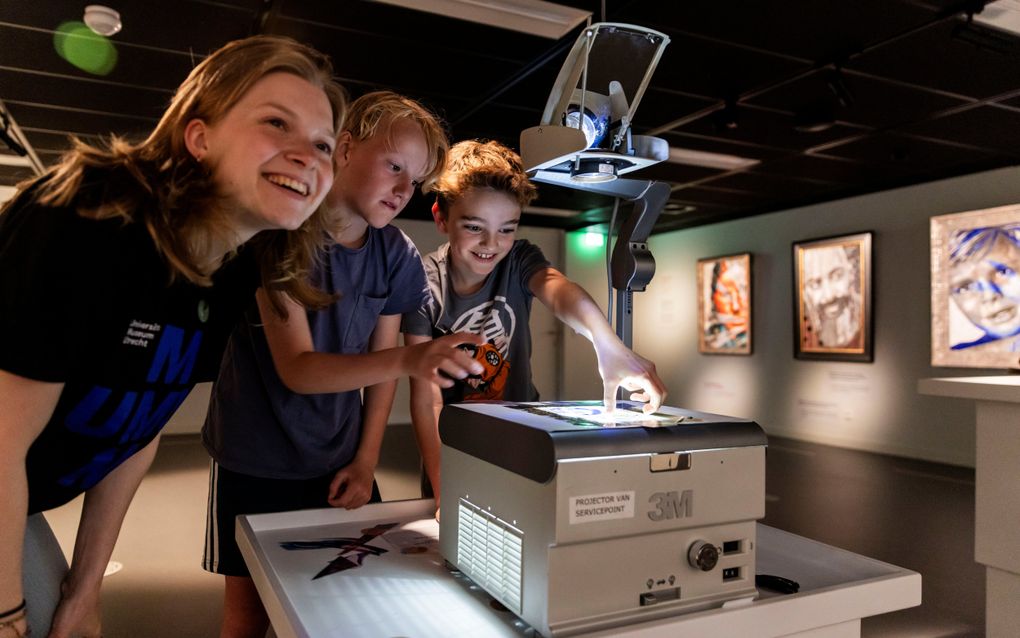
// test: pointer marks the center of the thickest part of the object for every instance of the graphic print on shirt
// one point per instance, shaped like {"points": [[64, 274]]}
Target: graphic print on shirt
{"points": [[136, 416], [494, 320]]}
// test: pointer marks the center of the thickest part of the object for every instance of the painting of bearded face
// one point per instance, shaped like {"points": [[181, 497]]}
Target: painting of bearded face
{"points": [[724, 305], [832, 290], [976, 288]]}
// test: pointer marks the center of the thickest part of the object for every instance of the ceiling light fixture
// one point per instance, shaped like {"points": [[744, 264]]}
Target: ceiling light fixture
{"points": [[709, 160], [536, 17], [549, 211], [1001, 14], [102, 19], [676, 208]]}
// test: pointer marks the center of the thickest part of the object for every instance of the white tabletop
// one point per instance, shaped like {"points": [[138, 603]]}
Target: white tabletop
{"points": [[998, 388], [406, 590]]}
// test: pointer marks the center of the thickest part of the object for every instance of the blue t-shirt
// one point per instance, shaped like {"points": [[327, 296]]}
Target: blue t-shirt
{"points": [[255, 425]]}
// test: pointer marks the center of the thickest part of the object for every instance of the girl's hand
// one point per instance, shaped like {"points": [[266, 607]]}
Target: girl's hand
{"points": [[78, 613]]}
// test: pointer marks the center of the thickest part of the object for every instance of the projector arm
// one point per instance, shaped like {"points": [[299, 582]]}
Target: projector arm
{"points": [[632, 264]]}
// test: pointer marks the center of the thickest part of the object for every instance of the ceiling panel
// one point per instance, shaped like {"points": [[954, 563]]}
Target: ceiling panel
{"points": [[928, 96], [764, 128], [987, 127], [32, 52], [837, 26], [718, 70], [904, 155], [867, 101], [939, 58], [82, 94], [825, 169]]}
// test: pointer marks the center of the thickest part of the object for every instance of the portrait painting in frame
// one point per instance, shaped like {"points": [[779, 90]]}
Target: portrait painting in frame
{"points": [[724, 304], [832, 298], [975, 288]]}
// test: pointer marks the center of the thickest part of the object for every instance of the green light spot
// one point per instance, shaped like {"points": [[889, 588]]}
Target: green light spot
{"points": [[586, 244], [84, 48], [593, 240]]}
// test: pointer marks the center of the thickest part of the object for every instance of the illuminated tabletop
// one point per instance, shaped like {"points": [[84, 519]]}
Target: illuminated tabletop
{"points": [[376, 572]]}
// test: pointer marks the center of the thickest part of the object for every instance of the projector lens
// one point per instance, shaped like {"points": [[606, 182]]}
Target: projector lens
{"points": [[593, 127], [593, 171]]}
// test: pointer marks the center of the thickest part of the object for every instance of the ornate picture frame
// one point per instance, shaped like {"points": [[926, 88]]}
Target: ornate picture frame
{"points": [[975, 288], [832, 298], [724, 304]]}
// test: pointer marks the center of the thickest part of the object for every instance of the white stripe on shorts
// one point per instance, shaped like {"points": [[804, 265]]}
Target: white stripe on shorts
{"points": [[212, 529]]}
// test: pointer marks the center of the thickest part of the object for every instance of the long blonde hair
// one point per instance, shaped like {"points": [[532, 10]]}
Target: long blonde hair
{"points": [[157, 182]]}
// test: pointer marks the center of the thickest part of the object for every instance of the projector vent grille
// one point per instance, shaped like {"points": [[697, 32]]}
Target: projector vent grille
{"points": [[489, 551]]}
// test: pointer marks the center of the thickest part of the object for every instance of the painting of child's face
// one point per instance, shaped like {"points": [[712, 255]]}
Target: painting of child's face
{"points": [[975, 288], [986, 288]]}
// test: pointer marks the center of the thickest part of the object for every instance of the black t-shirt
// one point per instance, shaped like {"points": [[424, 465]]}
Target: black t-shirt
{"points": [[89, 303]]}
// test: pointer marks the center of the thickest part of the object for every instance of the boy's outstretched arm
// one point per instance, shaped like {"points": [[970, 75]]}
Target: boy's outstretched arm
{"points": [[305, 371], [426, 403], [619, 366], [352, 485]]}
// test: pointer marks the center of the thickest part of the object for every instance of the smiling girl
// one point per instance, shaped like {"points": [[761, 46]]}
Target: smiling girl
{"points": [[122, 272]]}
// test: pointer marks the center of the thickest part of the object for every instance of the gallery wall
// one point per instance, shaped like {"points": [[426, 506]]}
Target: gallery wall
{"points": [[869, 406]]}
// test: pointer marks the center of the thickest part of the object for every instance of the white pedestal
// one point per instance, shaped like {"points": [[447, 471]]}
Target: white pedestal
{"points": [[406, 590], [997, 490]]}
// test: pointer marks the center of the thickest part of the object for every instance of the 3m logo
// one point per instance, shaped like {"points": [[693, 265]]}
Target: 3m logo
{"points": [[670, 505]]}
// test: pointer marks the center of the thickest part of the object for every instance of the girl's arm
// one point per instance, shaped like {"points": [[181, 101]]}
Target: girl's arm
{"points": [[27, 407], [352, 486], [305, 371], [102, 515], [619, 366]]}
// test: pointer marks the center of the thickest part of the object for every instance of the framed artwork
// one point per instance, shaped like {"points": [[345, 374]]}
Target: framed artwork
{"points": [[975, 288], [832, 298], [724, 304]]}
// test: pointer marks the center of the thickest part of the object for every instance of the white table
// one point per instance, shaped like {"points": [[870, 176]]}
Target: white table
{"points": [[996, 490], [407, 591]]}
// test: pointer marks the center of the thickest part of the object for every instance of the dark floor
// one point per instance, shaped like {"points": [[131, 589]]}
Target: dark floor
{"points": [[909, 513], [913, 514]]}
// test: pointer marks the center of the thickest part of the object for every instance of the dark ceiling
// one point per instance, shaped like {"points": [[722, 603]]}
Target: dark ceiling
{"points": [[906, 91]]}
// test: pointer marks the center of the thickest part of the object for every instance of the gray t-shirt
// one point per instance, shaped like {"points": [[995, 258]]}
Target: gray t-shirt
{"points": [[500, 311], [255, 425]]}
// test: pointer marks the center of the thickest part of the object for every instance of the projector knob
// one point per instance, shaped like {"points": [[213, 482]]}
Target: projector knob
{"points": [[703, 556]]}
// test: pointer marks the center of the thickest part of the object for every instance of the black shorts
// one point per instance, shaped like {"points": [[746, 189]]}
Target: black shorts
{"points": [[232, 494]]}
